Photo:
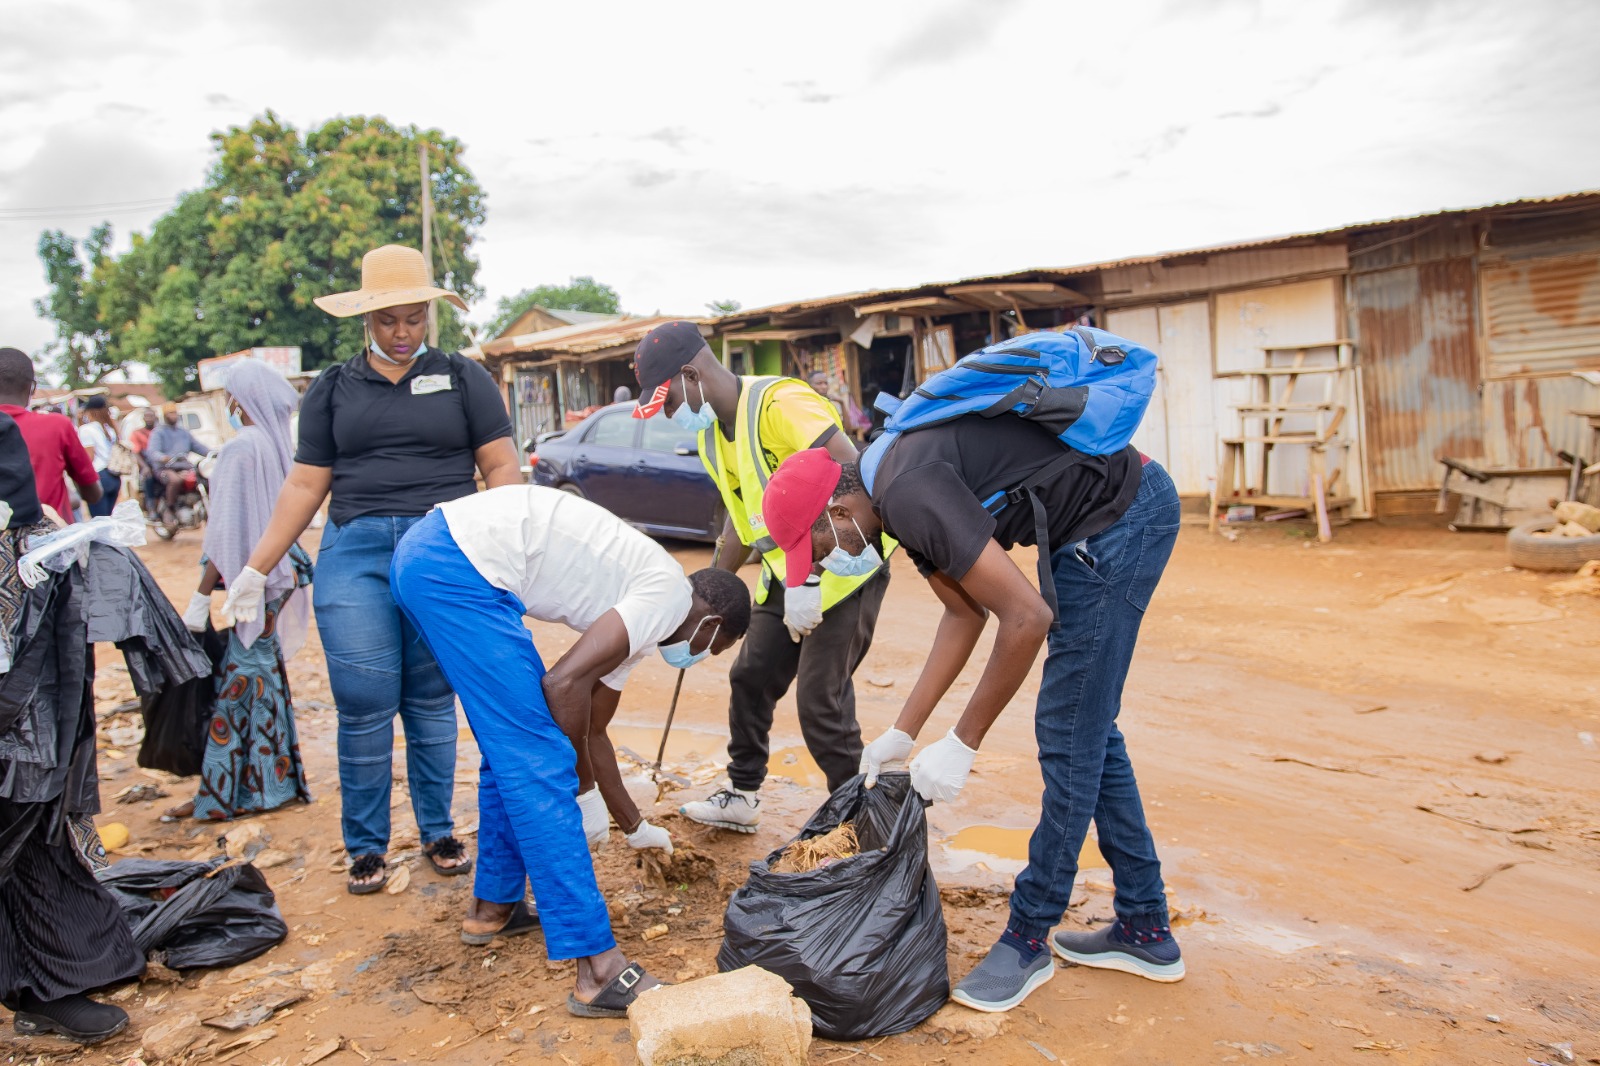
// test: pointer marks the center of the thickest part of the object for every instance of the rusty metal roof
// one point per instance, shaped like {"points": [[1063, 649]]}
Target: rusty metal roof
{"points": [[1066, 272], [580, 339]]}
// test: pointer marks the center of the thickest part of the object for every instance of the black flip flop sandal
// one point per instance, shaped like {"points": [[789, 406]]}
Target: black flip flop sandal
{"points": [[524, 919], [364, 867], [614, 999], [447, 848]]}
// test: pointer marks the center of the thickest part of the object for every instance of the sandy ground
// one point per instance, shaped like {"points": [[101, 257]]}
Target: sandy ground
{"points": [[1371, 766]]}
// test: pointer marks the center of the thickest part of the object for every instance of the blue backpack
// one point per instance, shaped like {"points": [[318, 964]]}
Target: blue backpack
{"points": [[1088, 387]]}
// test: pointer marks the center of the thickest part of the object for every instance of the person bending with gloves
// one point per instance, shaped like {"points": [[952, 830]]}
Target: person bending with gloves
{"points": [[465, 575], [814, 633], [1113, 521]]}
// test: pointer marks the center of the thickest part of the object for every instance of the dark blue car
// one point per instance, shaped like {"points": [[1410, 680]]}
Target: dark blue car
{"points": [[645, 471]]}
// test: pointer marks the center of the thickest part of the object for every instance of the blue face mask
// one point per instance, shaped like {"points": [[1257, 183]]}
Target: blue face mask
{"points": [[387, 358], [841, 563], [694, 421], [235, 421], [679, 656]]}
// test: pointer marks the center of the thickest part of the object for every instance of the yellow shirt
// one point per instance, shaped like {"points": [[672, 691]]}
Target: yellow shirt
{"points": [[792, 419]]}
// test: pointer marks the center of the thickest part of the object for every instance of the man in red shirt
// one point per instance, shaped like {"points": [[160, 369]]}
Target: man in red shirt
{"points": [[53, 444]]}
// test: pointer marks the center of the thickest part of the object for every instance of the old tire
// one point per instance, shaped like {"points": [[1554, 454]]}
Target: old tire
{"points": [[1549, 553]]}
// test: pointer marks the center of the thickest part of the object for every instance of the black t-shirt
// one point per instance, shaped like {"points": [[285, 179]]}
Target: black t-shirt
{"points": [[398, 449], [930, 488]]}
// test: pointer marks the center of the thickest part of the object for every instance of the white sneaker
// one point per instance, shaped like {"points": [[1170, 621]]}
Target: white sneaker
{"points": [[726, 808]]}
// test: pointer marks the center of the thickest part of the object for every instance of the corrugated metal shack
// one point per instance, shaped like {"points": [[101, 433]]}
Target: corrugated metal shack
{"points": [[555, 378], [1475, 335]]}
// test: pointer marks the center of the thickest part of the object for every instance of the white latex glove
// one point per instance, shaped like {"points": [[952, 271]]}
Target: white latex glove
{"points": [[199, 612], [802, 610], [596, 819], [246, 595], [941, 770], [649, 836], [888, 752]]}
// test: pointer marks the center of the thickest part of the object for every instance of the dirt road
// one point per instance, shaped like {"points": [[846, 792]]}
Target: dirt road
{"points": [[1371, 765]]}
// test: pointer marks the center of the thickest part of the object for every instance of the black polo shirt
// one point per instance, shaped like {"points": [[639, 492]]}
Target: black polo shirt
{"points": [[399, 448]]}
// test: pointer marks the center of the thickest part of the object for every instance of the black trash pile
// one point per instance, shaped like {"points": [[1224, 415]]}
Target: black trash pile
{"points": [[214, 913]]}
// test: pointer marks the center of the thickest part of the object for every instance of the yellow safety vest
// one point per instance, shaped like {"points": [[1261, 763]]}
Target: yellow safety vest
{"points": [[744, 503]]}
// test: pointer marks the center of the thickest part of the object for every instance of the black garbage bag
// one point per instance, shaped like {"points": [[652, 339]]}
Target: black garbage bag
{"points": [[216, 913], [178, 717], [861, 940]]}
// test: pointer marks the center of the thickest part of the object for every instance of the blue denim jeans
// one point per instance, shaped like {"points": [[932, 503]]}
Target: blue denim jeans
{"points": [[1103, 585], [378, 664], [529, 827]]}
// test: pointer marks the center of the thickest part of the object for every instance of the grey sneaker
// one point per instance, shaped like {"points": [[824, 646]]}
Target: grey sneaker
{"points": [[726, 808], [1002, 979], [1114, 948]]}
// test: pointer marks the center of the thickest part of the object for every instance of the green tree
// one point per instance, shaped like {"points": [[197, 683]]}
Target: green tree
{"points": [[578, 294], [80, 351], [281, 219]]}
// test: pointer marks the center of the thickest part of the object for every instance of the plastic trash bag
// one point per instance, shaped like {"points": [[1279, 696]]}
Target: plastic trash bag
{"points": [[57, 551], [212, 913], [177, 719], [862, 940]]}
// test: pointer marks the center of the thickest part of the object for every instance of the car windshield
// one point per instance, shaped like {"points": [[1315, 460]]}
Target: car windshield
{"points": [[661, 434]]}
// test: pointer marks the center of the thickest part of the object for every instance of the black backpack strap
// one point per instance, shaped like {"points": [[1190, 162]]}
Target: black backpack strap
{"points": [[1041, 522]]}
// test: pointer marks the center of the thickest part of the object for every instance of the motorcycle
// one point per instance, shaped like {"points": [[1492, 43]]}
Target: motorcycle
{"points": [[194, 501]]}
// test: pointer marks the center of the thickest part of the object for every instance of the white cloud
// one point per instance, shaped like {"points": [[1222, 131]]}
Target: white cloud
{"points": [[758, 152]]}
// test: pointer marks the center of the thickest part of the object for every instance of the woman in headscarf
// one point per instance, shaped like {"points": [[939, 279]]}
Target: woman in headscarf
{"points": [[390, 433], [252, 760]]}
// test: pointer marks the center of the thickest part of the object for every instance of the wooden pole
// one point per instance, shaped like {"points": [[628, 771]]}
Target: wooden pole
{"points": [[427, 240]]}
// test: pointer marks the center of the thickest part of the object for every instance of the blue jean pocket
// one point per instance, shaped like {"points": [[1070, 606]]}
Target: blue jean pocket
{"points": [[330, 534], [1155, 548]]}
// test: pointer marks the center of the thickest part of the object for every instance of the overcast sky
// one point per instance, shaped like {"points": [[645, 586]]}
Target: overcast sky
{"points": [[760, 152]]}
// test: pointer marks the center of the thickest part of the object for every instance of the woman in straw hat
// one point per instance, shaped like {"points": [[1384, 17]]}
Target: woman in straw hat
{"points": [[390, 433]]}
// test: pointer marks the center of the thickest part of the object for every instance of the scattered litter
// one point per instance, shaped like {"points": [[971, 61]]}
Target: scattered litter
{"points": [[1585, 582], [1380, 1045], [1492, 1018], [255, 1013], [1375, 710], [322, 1051], [1331, 767], [881, 682], [655, 932], [141, 794], [398, 881], [1353, 1026], [1477, 824], [245, 841], [1261, 1051], [270, 858], [1048, 1057], [814, 853], [1492, 757], [114, 835]]}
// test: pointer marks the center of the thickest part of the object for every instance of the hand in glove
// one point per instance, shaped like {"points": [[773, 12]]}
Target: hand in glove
{"points": [[246, 594], [802, 610], [888, 752], [649, 836], [596, 819], [198, 616], [941, 770]]}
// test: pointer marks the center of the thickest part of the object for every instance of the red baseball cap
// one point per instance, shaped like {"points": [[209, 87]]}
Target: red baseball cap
{"points": [[795, 498]]}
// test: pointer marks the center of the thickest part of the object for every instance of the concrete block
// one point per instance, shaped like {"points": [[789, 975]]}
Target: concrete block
{"points": [[748, 1017]]}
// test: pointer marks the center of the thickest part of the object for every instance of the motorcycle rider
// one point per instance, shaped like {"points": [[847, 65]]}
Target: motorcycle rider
{"points": [[169, 450]]}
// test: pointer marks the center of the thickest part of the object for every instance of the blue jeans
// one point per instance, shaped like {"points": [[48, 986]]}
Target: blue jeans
{"points": [[378, 665], [110, 488], [529, 827], [1103, 585]]}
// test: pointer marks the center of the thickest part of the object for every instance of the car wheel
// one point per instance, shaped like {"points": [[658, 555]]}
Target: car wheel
{"points": [[571, 489]]}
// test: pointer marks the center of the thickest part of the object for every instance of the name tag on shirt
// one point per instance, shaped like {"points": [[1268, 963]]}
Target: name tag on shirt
{"points": [[424, 384]]}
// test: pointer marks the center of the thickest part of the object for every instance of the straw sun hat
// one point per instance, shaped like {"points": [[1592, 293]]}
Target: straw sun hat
{"points": [[391, 276]]}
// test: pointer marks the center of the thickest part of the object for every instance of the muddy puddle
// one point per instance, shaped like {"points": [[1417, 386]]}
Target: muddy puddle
{"points": [[1004, 850]]}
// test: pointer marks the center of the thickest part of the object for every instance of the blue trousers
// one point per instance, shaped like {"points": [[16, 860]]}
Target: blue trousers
{"points": [[1103, 585], [529, 827], [379, 666]]}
